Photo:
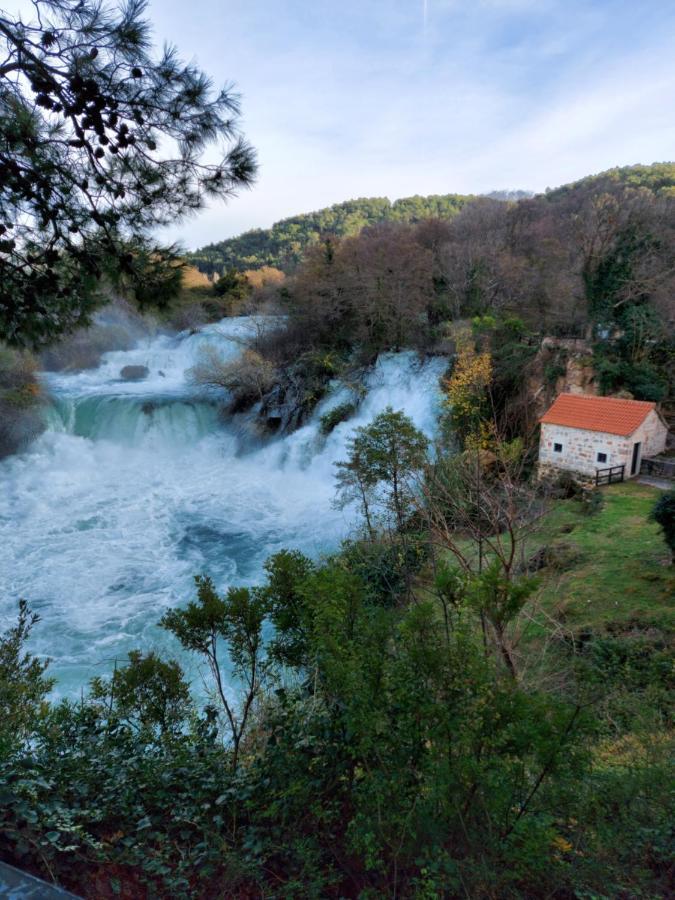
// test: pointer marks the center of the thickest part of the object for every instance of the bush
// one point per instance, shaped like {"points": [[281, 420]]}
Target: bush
{"points": [[565, 486], [333, 417], [558, 557], [385, 568], [247, 378], [20, 402], [552, 372], [632, 660], [389, 756], [643, 381], [664, 514], [592, 500]]}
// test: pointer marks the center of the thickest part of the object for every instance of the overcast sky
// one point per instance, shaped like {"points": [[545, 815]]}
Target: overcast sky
{"points": [[363, 98]]}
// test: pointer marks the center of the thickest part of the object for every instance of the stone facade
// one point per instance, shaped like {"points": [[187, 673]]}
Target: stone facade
{"points": [[579, 448]]}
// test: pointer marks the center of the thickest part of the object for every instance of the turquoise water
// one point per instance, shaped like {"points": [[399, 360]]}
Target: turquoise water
{"points": [[135, 487]]}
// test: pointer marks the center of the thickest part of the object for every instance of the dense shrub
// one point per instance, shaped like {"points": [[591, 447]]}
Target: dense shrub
{"points": [[246, 378], [387, 752], [664, 514], [20, 401], [592, 500], [565, 485], [335, 416], [385, 568]]}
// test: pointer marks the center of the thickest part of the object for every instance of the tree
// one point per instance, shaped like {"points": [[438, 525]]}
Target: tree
{"points": [[147, 693], [390, 284], [383, 456], [232, 284], [286, 571], [247, 377], [499, 598], [23, 684], [374, 289], [483, 495], [287, 242], [237, 620], [100, 140], [480, 509], [467, 389], [664, 514]]}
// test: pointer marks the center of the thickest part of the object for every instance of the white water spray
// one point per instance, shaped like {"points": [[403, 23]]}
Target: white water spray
{"points": [[137, 486]]}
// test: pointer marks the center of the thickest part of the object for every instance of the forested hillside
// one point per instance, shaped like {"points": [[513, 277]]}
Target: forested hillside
{"points": [[658, 177], [594, 261], [283, 245]]}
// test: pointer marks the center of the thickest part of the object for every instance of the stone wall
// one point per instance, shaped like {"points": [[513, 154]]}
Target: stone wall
{"points": [[653, 434], [580, 448]]}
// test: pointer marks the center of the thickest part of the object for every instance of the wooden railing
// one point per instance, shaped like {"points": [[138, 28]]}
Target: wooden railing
{"points": [[612, 475], [661, 468]]}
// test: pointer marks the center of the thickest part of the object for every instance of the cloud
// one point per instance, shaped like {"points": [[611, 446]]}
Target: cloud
{"points": [[361, 100]]}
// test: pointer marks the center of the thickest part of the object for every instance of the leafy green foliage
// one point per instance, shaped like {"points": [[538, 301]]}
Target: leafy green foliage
{"points": [[284, 244], [385, 567], [499, 599], [23, 685], [331, 419], [232, 284], [592, 500], [644, 379], [235, 620], [664, 514], [388, 754], [658, 177], [147, 693], [382, 459], [286, 573]]}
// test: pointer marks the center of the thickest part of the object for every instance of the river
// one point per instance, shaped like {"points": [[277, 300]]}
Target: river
{"points": [[135, 487]]}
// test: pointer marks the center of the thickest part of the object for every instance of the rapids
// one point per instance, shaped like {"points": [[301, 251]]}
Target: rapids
{"points": [[137, 486]]}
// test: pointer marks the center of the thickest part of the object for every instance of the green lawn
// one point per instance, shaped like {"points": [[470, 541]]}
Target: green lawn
{"points": [[618, 573]]}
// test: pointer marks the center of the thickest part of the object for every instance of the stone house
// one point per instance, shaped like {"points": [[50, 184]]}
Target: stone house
{"points": [[582, 434]]}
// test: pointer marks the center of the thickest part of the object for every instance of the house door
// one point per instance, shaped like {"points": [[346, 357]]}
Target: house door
{"points": [[635, 465]]}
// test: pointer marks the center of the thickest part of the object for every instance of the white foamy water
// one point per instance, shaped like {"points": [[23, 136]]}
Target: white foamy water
{"points": [[138, 486]]}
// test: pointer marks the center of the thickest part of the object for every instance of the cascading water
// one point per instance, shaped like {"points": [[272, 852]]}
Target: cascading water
{"points": [[137, 486]]}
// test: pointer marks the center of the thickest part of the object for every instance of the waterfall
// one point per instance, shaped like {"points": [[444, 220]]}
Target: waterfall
{"points": [[136, 486]]}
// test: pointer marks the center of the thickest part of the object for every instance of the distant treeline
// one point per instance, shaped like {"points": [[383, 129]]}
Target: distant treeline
{"points": [[283, 245], [657, 177], [593, 260]]}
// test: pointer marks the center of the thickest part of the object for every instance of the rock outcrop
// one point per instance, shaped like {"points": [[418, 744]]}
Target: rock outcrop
{"points": [[562, 365], [134, 373]]}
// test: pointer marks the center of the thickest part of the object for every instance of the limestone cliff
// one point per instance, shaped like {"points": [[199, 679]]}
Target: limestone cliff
{"points": [[561, 365]]}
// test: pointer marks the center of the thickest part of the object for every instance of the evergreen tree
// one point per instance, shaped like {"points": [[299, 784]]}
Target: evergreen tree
{"points": [[384, 456], [100, 141]]}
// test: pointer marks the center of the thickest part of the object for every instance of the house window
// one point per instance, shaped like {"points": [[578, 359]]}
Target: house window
{"points": [[557, 448], [602, 457]]}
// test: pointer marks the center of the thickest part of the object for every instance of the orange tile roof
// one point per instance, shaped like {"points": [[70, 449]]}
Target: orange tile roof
{"points": [[609, 414]]}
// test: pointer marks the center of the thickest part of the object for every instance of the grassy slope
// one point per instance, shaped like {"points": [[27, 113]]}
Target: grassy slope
{"points": [[619, 574], [614, 568]]}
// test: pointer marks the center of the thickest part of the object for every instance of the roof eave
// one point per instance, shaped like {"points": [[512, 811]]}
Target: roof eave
{"points": [[626, 434]]}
